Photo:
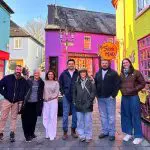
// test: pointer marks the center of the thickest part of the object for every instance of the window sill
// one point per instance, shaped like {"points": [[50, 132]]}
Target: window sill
{"points": [[18, 48], [87, 49], [142, 12]]}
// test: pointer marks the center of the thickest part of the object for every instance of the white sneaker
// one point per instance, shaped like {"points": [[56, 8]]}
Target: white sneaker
{"points": [[127, 138], [137, 140]]}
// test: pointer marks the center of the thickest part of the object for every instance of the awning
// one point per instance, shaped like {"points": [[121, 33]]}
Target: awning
{"points": [[4, 55]]}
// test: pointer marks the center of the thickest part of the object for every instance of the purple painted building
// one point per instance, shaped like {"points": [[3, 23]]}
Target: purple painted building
{"points": [[90, 30]]}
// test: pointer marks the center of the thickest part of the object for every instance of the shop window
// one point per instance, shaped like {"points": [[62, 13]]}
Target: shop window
{"points": [[142, 4], [144, 56], [53, 64], [87, 42], [17, 43], [13, 63]]}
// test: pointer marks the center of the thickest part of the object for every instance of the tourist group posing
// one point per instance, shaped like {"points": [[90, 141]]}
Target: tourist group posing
{"points": [[34, 97]]}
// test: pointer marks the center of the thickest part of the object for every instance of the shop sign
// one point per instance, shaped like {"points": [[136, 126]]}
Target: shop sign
{"points": [[108, 50]]}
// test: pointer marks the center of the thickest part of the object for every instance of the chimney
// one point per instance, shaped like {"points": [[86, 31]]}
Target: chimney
{"points": [[51, 14]]}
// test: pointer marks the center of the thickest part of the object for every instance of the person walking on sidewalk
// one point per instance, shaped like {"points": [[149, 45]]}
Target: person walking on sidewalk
{"points": [[50, 109], [13, 87], [83, 96], [33, 105], [107, 85], [132, 82], [67, 81]]}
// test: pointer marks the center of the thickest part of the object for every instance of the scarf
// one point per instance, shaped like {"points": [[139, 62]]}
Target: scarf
{"points": [[83, 82], [126, 72]]}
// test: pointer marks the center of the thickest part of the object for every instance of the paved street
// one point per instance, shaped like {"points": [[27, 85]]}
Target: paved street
{"points": [[71, 144]]}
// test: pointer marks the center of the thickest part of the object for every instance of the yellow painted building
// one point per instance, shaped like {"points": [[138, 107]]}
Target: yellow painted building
{"points": [[133, 30]]}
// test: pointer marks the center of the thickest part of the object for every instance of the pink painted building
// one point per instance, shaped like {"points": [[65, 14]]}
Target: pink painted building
{"points": [[90, 30]]}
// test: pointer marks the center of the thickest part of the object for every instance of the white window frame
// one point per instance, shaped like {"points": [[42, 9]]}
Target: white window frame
{"points": [[37, 52], [88, 36], [19, 43], [144, 4]]}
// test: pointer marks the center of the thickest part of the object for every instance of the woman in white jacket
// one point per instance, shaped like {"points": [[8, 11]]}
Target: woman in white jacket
{"points": [[50, 109]]}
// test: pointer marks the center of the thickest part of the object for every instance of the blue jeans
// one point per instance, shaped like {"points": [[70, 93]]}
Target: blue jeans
{"points": [[67, 105], [84, 125], [131, 116], [107, 110]]}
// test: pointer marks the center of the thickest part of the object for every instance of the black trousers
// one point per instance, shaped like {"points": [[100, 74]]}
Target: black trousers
{"points": [[29, 119]]}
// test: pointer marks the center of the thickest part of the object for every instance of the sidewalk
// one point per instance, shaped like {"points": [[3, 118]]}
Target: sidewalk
{"points": [[71, 144]]}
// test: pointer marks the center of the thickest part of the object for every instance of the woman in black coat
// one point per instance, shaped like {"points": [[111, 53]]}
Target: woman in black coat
{"points": [[33, 105], [83, 97]]}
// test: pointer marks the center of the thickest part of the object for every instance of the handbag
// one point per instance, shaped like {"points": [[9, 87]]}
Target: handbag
{"points": [[39, 107], [95, 99], [21, 107]]}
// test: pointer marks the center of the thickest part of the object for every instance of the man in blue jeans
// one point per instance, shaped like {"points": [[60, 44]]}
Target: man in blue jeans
{"points": [[107, 86], [67, 81]]}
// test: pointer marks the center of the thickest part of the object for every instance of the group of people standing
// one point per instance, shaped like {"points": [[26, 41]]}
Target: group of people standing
{"points": [[33, 97]]}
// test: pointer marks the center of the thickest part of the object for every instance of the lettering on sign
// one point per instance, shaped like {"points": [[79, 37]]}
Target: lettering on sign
{"points": [[109, 50]]}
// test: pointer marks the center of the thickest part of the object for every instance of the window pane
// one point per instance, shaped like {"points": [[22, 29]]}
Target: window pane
{"points": [[87, 42]]}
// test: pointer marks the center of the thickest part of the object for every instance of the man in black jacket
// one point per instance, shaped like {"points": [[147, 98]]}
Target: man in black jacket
{"points": [[107, 85], [67, 81], [13, 87]]}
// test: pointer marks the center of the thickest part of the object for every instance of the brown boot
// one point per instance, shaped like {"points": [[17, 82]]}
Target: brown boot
{"points": [[73, 133], [65, 136]]}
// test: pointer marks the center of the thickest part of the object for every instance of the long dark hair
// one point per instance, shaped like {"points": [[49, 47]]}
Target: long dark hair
{"points": [[46, 76], [131, 68]]}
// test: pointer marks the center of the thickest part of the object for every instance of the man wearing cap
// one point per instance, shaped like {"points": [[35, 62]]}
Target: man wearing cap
{"points": [[67, 81], [107, 85]]}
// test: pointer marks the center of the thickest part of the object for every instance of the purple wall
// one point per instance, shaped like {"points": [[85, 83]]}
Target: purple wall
{"points": [[54, 47]]}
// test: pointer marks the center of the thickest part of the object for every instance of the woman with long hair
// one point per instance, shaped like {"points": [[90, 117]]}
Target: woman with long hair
{"points": [[50, 109], [132, 82]]}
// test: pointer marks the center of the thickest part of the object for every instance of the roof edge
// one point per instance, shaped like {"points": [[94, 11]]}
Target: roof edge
{"points": [[84, 32], [81, 9], [27, 34], [5, 5]]}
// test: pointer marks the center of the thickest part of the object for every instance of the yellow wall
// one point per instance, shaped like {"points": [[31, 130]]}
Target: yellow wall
{"points": [[134, 29], [143, 25], [120, 32]]}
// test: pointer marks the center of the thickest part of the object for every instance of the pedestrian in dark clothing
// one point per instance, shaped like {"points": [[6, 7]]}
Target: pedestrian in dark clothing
{"points": [[67, 81], [132, 82], [33, 105], [107, 85], [83, 97], [14, 88]]}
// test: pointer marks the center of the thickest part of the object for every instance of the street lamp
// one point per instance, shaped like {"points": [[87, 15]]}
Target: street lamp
{"points": [[67, 38]]}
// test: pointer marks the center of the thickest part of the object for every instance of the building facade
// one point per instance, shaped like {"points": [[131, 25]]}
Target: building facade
{"points": [[24, 49], [76, 34], [133, 32], [5, 12]]}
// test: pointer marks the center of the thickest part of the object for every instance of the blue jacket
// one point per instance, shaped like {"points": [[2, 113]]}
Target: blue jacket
{"points": [[13, 89], [67, 83]]}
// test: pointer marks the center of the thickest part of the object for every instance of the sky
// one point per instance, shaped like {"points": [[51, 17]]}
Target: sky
{"points": [[27, 10]]}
